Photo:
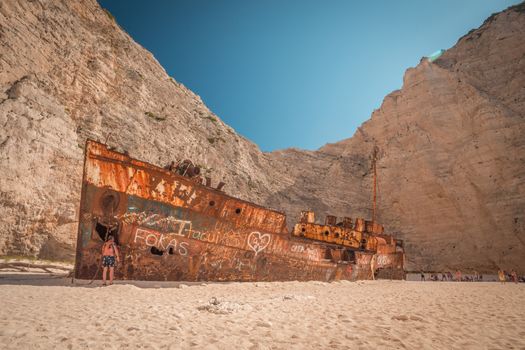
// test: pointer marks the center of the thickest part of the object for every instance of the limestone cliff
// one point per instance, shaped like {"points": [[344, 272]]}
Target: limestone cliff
{"points": [[451, 168], [67, 73], [452, 156]]}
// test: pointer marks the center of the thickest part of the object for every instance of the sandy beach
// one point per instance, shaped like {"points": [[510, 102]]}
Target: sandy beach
{"points": [[39, 312]]}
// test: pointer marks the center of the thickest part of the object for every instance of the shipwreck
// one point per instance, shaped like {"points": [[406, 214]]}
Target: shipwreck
{"points": [[171, 225]]}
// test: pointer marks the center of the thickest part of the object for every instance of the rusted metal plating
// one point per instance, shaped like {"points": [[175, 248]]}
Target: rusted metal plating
{"points": [[386, 256], [170, 227], [365, 235]]}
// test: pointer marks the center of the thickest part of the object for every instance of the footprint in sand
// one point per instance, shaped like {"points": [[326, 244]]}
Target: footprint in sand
{"points": [[416, 318], [266, 324], [400, 317]]}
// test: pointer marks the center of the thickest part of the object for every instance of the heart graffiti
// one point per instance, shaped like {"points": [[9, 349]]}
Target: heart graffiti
{"points": [[258, 242]]}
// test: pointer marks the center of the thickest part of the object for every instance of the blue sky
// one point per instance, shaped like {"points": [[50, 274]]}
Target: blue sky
{"points": [[296, 73]]}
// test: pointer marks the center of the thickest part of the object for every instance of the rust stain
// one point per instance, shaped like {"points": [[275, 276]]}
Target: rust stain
{"points": [[171, 226]]}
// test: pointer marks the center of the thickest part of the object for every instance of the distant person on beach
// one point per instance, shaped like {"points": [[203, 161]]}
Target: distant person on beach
{"points": [[449, 276], [373, 263], [109, 254], [422, 276], [458, 276], [501, 276], [443, 277], [514, 276]]}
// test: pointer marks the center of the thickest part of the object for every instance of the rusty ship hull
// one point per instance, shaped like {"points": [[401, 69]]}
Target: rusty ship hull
{"points": [[170, 228]]}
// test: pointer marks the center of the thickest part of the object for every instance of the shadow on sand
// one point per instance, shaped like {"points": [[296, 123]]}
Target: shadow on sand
{"points": [[64, 280]]}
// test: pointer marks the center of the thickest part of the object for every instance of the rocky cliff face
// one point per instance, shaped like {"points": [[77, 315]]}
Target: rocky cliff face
{"points": [[67, 73], [451, 168]]}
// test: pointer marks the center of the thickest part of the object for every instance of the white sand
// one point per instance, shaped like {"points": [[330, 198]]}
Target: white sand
{"points": [[289, 315]]}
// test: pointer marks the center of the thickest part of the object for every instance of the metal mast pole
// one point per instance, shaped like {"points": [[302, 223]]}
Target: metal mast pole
{"points": [[374, 159]]}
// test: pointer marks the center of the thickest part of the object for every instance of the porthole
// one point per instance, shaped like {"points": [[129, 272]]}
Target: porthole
{"points": [[156, 251]]}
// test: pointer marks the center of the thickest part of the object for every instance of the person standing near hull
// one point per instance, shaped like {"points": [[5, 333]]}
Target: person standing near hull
{"points": [[458, 276], [501, 276], [110, 252]]}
